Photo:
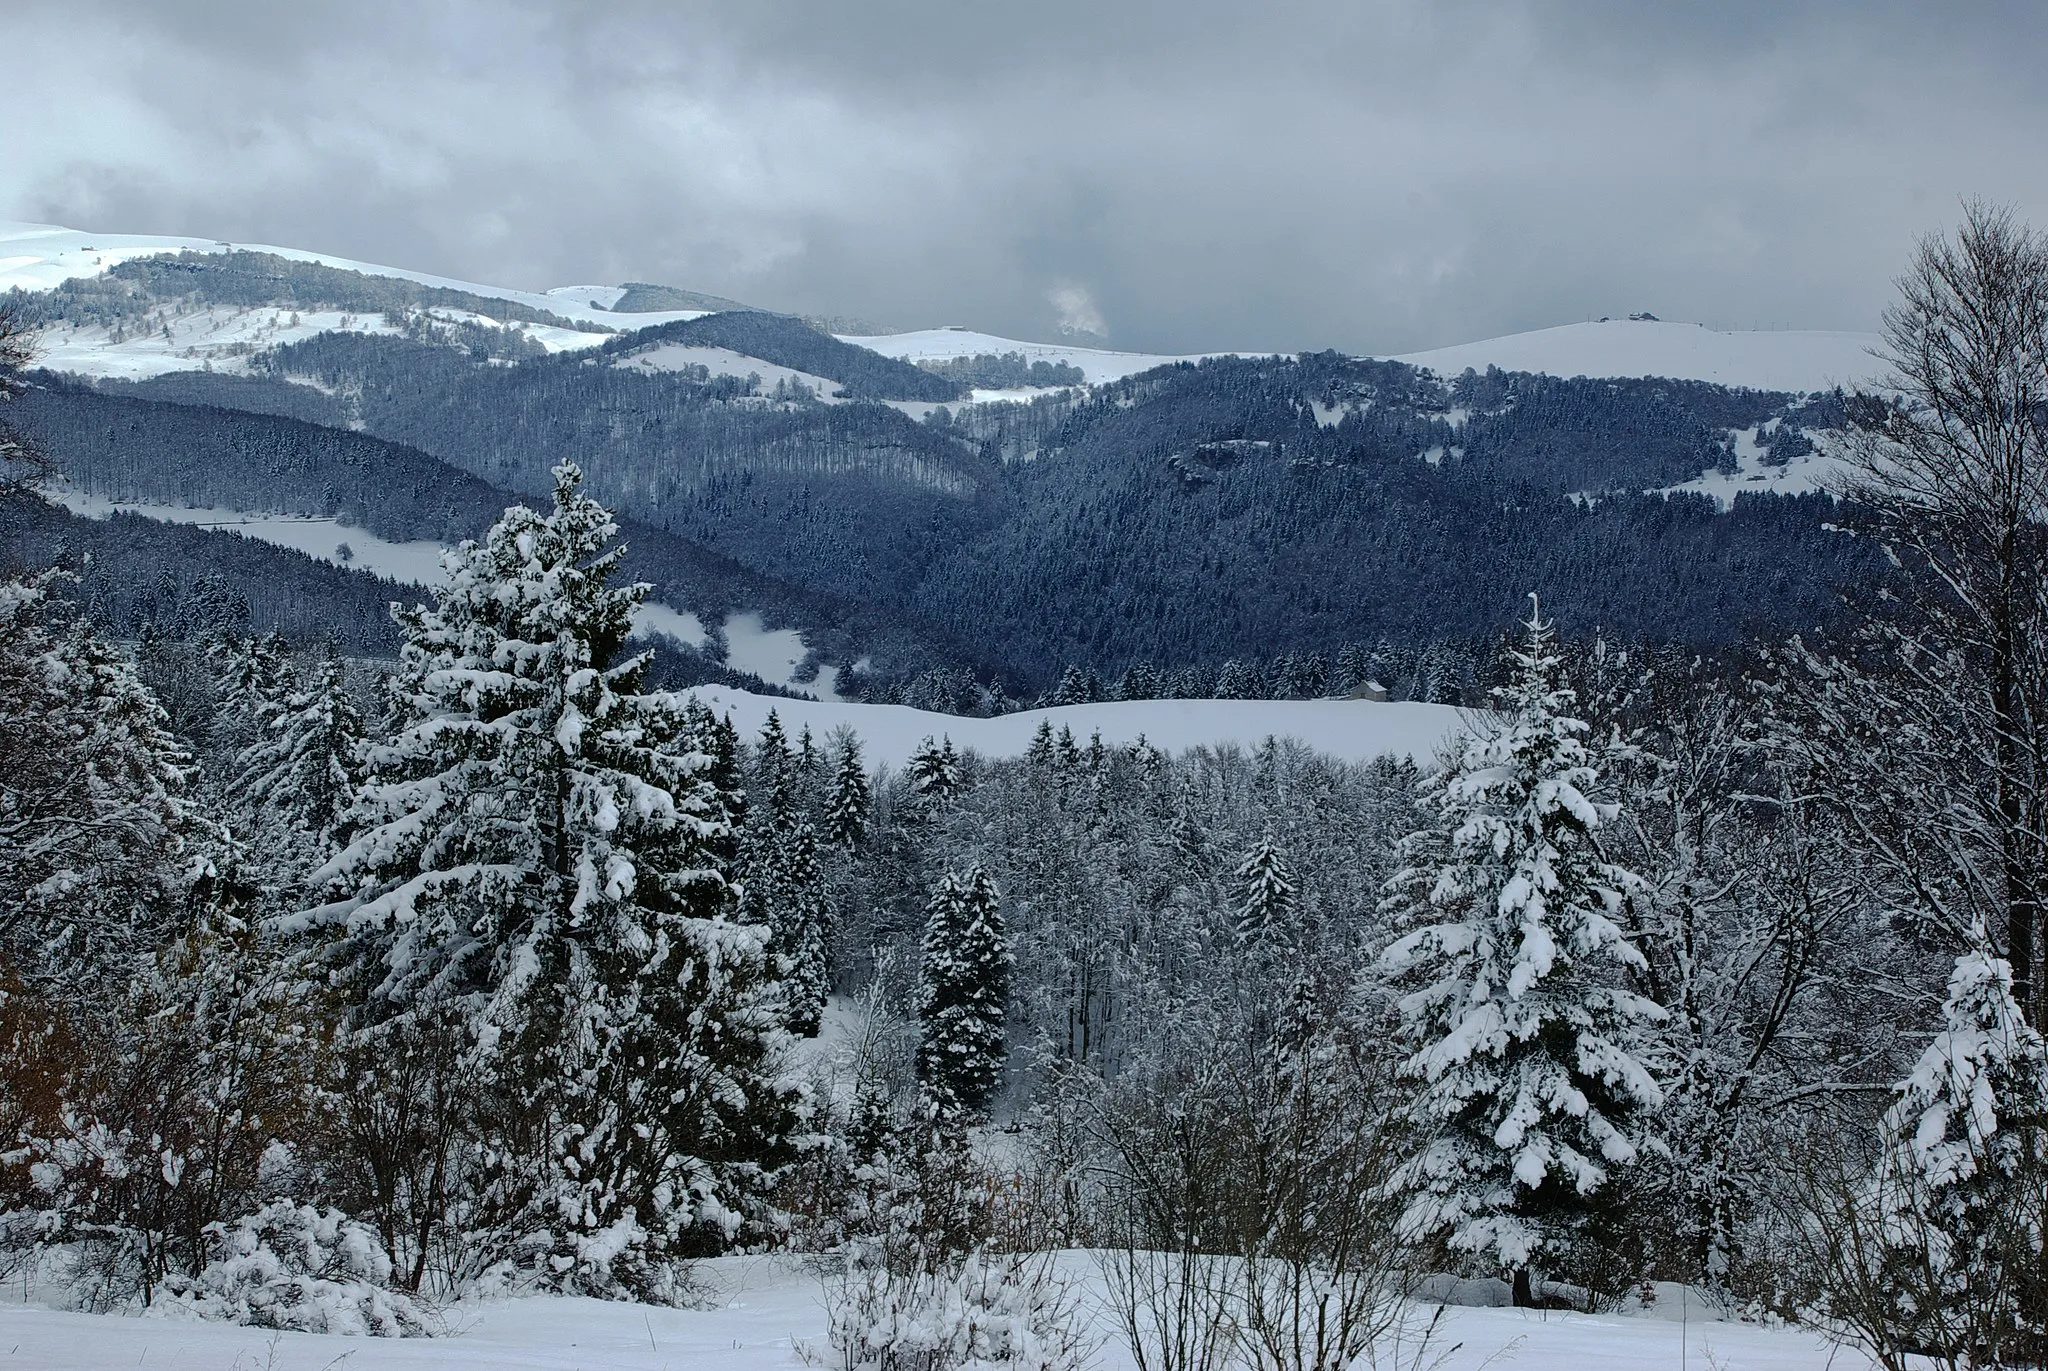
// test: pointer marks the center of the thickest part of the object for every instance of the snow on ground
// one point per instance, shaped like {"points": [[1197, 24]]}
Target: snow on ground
{"points": [[1355, 730], [1793, 360], [941, 344], [1798, 476], [726, 362], [215, 339], [765, 1314]]}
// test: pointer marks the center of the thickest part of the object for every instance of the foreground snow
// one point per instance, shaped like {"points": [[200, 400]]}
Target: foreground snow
{"points": [[765, 1314], [1353, 730]]}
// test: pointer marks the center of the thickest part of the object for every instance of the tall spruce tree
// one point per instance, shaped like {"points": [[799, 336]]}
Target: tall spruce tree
{"points": [[965, 994], [934, 772], [1528, 1087], [1267, 893], [95, 809], [529, 918], [300, 769], [852, 803]]}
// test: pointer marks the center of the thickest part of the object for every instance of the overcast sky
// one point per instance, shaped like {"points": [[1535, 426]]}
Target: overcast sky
{"points": [[1179, 176]]}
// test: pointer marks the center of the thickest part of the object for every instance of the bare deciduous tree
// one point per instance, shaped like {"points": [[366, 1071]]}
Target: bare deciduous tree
{"points": [[1957, 470], [22, 463]]}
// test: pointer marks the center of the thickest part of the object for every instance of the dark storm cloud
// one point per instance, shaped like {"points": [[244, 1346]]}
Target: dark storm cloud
{"points": [[1193, 175]]}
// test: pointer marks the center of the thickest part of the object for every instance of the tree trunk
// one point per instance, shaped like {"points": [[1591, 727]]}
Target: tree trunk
{"points": [[2022, 895], [1524, 1288]]}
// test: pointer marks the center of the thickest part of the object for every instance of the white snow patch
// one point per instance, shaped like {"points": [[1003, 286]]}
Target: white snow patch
{"points": [[1791, 359], [654, 617], [1799, 476], [773, 654], [1355, 730], [222, 339]]}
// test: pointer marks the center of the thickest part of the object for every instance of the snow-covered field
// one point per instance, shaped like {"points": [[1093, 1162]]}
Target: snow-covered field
{"points": [[1355, 730], [1790, 359], [767, 1314]]}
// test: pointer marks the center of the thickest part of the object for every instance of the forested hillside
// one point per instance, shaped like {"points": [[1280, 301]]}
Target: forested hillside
{"points": [[1236, 509]]}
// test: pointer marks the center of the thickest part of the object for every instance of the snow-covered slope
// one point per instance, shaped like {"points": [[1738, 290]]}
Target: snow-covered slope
{"points": [[768, 1314], [1812, 471], [1355, 730], [1793, 360], [39, 256]]}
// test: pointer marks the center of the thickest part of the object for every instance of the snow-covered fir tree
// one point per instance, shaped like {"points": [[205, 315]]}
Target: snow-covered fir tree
{"points": [[300, 768], [1967, 1136], [1077, 686], [530, 919], [253, 678], [1266, 893], [964, 995], [1529, 1087], [774, 763], [95, 806], [934, 773], [852, 802], [786, 892]]}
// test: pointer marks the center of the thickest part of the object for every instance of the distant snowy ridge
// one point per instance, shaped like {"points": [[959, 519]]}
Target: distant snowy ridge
{"points": [[1787, 360], [40, 256], [36, 257]]}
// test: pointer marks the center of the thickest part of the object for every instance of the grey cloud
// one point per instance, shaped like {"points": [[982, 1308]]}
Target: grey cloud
{"points": [[1373, 176]]}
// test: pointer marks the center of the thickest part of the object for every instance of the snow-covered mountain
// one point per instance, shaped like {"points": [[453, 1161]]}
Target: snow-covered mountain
{"points": [[37, 257]]}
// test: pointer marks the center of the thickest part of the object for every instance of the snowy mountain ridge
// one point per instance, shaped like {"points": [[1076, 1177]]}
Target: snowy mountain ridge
{"points": [[39, 257]]}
